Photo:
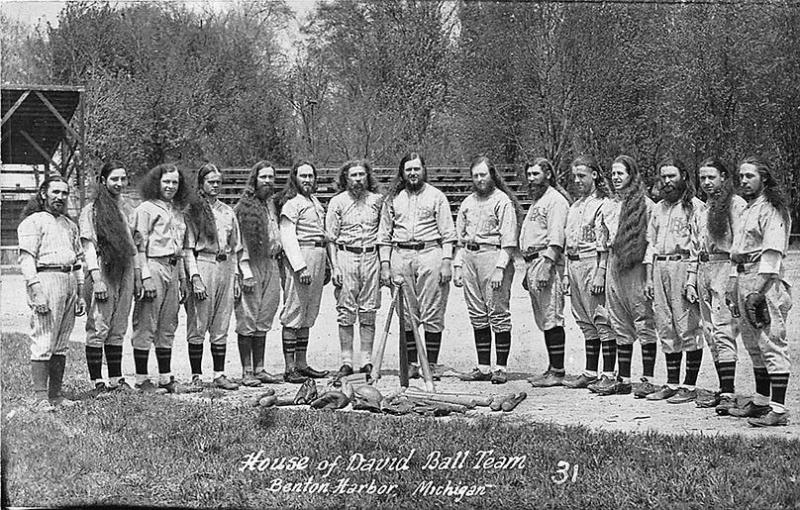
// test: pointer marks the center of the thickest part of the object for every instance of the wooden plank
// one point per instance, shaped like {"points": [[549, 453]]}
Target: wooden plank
{"points": [[41, 151], [58, 116], [17, 104]]}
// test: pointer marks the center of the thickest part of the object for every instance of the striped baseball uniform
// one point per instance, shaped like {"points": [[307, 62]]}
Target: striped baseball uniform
{"points": [[630, 313], [160, 235], [301, 302], [416, 233], [353, 226], [761, 241], [672, 248], [581, 250], [216, 263], [106, 321], [713, 271], [256, 310], [53, 241], [543, 236], [486, 229]]}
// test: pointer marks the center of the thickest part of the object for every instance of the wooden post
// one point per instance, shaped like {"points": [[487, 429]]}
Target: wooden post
{"points": [[403, 348]]}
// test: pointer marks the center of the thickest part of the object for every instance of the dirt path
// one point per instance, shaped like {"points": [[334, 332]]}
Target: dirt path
{"points": [[528, 357]]}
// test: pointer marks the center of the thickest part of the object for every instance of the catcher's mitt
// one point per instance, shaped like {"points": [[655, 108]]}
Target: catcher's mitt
{"points": [[307, 392], [756, 311], [331, 400]]}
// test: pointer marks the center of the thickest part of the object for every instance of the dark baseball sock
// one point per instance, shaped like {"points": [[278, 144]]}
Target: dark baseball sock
{"points": [[114, 360], [245, 344], [196, 358], [140, 360], [726, 371], [289, 340], [483, 345], [502, 345], [301, 347], [693, 361], [433, 343], [674, 367], [555, 340], [94, 361], [164, 358], [411, 347], [649, 359], [779, 383], [592, 354], [610, 356], [762, 381], [624, 357], [259, 344], [218, 357]]}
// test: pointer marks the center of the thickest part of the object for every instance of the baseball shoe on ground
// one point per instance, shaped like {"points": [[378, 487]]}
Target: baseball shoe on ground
{"points": [[618, 388], [644, 388], [344, 371], [98, 390], [223, 383], [726, 403], [267, 378], [684, 396], [148, 387], [547, 380], [175, 387], [771, 419], [314, 374], [122, 386], [664, 393], [42, 406], [750, 410], [706, 399], [580, 382], [413, 371], [437, 371], [499, 377], [250, 380], [294, 376], [605, 381], [476, 375], [366, 369]]}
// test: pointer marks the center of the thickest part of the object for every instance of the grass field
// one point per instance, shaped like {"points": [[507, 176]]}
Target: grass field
{"points": [[133, 450]]}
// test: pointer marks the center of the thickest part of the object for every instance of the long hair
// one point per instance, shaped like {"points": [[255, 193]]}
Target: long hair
{"points": [[113, 237], [547, 166], [501, 184], [399, 181], [372, 183], [631, 240], [252, 214], [689, 191], [718, 222], [771, 188], [602, 189], [199, 211], [293, 185], [37, 202], [150, 187]]}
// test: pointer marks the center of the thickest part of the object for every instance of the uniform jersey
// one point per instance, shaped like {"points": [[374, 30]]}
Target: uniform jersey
{"points": [[581, 233], [52, 240], [710, 245], [544, 225], [416, 217], [354, 222], [762, 229], [159, 229], [608, 221], [672, 229]]}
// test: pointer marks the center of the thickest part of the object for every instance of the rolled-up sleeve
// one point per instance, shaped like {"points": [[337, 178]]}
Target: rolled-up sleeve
{"points": [[556, 229]]}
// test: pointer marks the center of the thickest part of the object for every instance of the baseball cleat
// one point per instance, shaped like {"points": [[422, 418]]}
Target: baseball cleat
{"points": [[618, 388], [580, 382], [366, 369], [148, 387], [726, 403], [175, 387], [344, 371], [771, 419], [250, 380], [499, 377], [267, 378], [476, 375], [223, 383], [684, 396], [750, 410], [644, 388], [294, 376], [605, 381], [122, 386], [547, 380], [664, 393], [314, 374], [413, 371], [706, 399]]}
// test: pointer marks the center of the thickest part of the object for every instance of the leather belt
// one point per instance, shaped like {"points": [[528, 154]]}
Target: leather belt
{"points": [[315, 244], [479, 246], [217, 257], [744, 267], [673, 256], [578, 256], [532, 254], [704, 256], [356, 249], [67, 268], [417, 246], [742, 258], [172, 260]]}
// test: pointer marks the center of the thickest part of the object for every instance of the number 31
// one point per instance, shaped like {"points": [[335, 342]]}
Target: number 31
{"points": [[562, 474]]}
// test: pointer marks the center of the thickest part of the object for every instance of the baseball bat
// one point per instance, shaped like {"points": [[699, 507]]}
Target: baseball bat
{"points": [[422, 353], [456, 408], [463, 399], [403, 347], [380, 349]]}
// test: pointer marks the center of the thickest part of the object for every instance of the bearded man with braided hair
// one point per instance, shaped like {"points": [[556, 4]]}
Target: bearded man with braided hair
{"points": [[621, 233], [757, 253], [259, 268], [107, 240]]}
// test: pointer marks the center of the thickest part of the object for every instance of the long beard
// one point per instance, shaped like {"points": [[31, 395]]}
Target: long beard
{"points": [[357, 191], [672, 193], [264, 191], [413, 188], [536, 191], [486, 190], [719, 206]]}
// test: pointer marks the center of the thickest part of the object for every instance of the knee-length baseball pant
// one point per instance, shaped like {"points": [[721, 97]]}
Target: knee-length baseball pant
{"points": [[300, 301], [719, 326], [211, 315], [427, 298], [588, 309], [487, 307], [51, 330], [107, 321], [677, 320], [155, 320], [359, 297], [256, 310], [630, 313]]}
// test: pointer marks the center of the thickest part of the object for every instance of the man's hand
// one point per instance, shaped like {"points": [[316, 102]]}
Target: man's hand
{"points": [[690, 291], [199, 288], [496, 281], [649, 289], [100, 288], [303, 276], [446, 272], [545, 272], [336, 277], [598, 282], [248, 285], [732, 296], [37, 300], [237, 289], [149, 289], [565, 288], [80, 306], [386, 274], [458, 276], [183, 291]]}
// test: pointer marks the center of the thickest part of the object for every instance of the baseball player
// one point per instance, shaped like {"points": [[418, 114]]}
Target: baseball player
{"points": [[486, 227], [304, 243], [759, 247], [717, 222], [260, 268], [671, 268], [110, 254], [415, 238], [621, 242], [160, 236], [352, 226], [586, 272], [49, 257], [213, 247], [542, 243]]}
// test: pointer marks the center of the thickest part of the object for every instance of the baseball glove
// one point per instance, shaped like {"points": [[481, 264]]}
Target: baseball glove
{"points": [[756, 311], [331, 400]]}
